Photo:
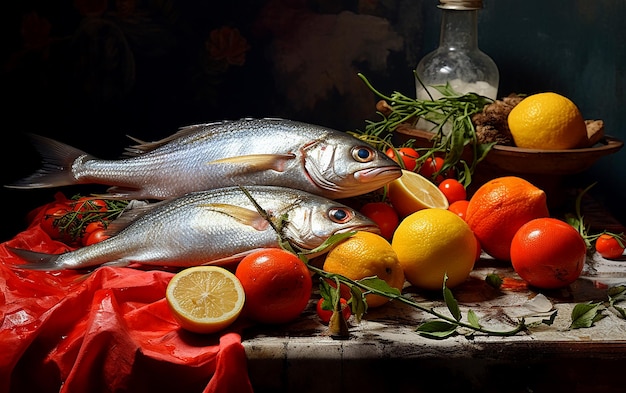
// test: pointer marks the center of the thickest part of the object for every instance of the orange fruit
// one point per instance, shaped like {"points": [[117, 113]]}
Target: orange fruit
{"points": [[205, 299], [362, 255], [547, 121], [277, 285], [412, 192], [548, 253], [459, 207], [384, 215], [431, 243], [499, 208]]}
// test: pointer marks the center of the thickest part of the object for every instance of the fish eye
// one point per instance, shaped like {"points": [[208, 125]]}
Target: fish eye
{"points": [[363, 153], [340, 215]]}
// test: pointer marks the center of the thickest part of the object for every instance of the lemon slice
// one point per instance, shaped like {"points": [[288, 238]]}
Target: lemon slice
{"points": [[205, 299], [412, 192]]}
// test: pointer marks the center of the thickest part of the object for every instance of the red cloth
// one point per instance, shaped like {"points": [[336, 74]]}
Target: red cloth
{"points": [[109, 330]]}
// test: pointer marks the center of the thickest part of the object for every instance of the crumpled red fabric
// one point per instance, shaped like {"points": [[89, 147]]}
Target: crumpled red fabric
{"points": [[105, 331]]}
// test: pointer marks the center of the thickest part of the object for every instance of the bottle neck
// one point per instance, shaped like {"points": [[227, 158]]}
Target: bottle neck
{"points": [[459, 29]]}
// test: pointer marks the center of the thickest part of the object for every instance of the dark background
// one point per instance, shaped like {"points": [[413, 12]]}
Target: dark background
{"points": [[91, 72]]}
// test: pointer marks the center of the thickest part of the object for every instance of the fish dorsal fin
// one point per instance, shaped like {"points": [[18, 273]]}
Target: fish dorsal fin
{"points": [[142, 146], [244, 215], [258, 162]]}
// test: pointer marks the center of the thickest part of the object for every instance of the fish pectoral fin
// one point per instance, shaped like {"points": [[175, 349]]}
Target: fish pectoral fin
{"points": [[245, 216], [258, 162], [230, 259]]}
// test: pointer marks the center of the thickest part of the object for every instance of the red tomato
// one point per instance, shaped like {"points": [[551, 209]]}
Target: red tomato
{"points": [[548, 253], [325, 315], [384, 215], [93, 233], [430, 167], [96, 237], [459, 207], [85, 206], [277, 285], [50, 221], [408, 157], [609, 247], [453, 190]]}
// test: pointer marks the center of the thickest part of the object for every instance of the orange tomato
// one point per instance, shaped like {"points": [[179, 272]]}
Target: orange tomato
{"points": [[50, 221], [408, 157], [277, 285], [609, 247], [94, 233], [548, 253], [453, 190], [384, 215], [85, 206], [431, 166], [325, 314], [459, 207]]}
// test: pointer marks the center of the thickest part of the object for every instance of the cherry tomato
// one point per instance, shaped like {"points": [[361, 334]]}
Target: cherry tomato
{"points": [[384, 215], [609, 247], [408, 157], [86, 205], [96, 237], [50, 221], [430, 167], [459, 207], [93, 233], [325, 315], [453, 190]]}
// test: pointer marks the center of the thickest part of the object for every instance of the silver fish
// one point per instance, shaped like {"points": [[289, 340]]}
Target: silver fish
{"points": [[267, 151], [216, 227]]}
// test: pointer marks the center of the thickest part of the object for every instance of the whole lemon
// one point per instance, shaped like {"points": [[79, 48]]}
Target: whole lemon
{"points": [[547, 121], [366, 254], [431, 243]]}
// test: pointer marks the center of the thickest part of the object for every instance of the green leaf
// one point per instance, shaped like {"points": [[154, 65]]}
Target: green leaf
{"points": [[493, 280], [437, 329], [330, 294], [584, 315], [357, 303], [621, 311], [331, 241], [379, 285], [617, 294], [451, 302], [473, 320]]}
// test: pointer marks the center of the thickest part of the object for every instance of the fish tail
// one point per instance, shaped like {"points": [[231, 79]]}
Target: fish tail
{"points": [[56, 169], [35, 260]]}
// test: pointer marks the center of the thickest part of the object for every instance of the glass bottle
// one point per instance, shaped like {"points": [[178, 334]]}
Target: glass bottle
{"points": [[458, 60]]}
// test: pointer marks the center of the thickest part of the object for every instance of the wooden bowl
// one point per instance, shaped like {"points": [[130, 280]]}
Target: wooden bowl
{"points": [[544, 168], [520, 160]]}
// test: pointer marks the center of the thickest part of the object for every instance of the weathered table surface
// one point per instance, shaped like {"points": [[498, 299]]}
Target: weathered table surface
{"points": [[384, 353]]}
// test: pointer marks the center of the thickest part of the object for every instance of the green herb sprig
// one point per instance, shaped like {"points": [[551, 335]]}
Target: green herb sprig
{"points": [[453, 109], [577, 220]]}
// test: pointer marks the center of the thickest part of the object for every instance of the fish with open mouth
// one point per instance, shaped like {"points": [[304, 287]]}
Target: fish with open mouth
{"points": [[216, 227], [266, 151]]}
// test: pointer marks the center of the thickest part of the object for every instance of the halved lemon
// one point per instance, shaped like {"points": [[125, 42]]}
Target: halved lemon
{"points": [[412, 192], [205, 299]]}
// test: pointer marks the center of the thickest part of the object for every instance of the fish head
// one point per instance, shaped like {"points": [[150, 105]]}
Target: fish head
{"points": [[312, 220], [343, 166]]}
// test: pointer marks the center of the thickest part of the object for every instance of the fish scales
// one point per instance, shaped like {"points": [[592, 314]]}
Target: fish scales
{"points": [[266, 151], [211, 227]]}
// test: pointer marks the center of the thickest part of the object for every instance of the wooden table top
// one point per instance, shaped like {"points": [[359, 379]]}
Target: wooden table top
{"points": [[301, 357]]}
